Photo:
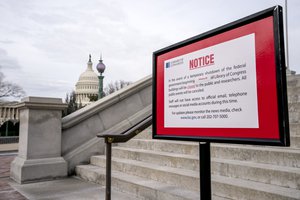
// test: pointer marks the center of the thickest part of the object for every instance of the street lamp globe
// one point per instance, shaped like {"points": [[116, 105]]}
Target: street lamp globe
{"points": [[100, 66]]}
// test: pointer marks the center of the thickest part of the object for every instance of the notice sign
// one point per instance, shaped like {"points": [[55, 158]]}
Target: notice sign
{"points": [[213, 87], [225, 85]]}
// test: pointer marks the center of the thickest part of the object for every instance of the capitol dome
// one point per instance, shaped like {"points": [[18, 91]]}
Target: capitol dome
{"points": [[87, 85]]}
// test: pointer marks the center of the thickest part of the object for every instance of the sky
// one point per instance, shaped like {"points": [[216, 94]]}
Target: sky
{"points": [[45, 44]]}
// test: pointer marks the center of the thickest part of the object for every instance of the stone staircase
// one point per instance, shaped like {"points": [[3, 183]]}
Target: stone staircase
{"points": [[169, 170], [161, 169]]}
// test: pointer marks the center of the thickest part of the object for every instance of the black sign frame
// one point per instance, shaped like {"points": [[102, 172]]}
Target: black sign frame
{"points": [[283, 119]]}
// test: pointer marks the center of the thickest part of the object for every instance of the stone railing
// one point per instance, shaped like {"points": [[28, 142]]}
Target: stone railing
{"points": [[39, 155], [113, 113], [50, 147]]}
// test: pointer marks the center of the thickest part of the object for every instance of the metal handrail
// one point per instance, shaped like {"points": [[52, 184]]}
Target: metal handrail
{"points": [[120, 138]]}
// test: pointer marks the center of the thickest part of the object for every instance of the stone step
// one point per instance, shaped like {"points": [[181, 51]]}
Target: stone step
{"points": [[137, 186], [293, 87], [188, 179], [265, 173], [147, 133], [214, 197], [294, 135], [293, 80], [293, 95], [295, 142], [294, 115], [171, 146], [282, 156], [222, 187], [279, 156], [219, 198], [181, 161], [237, 189], [295, 129]]}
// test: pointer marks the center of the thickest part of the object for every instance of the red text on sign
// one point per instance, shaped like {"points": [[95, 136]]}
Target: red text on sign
{"points": [[202, 61]]}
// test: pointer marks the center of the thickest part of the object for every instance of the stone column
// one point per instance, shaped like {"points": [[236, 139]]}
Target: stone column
{"points": [[39, 156]]}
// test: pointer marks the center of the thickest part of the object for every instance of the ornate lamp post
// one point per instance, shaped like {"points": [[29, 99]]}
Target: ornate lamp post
{"points": [[100, 67]]}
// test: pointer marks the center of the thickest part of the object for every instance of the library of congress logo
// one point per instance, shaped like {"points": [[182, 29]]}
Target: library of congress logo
{"points": [[175, 62]]}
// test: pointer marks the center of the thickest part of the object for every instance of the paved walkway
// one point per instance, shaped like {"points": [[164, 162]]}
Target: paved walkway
{"points": [[6, 191], [66, 189], [69, 188]]}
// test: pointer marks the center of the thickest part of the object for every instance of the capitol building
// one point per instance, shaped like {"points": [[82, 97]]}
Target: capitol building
{"points": [[87, 86]]}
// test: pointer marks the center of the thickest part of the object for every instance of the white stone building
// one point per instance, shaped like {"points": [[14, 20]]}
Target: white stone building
{"points": [[9, 112], [87, 85]]}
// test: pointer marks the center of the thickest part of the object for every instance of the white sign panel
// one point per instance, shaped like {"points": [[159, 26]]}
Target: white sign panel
{"points": [[214, 87]]}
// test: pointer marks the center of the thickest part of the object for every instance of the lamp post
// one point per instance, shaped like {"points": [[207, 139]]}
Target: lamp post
{"points": [[100, 67]]}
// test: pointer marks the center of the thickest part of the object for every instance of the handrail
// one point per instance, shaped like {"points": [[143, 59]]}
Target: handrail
{"points": [[120, 138], [129, 133]]}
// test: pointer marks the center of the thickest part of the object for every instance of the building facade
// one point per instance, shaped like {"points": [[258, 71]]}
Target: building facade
{"points": [[87, 86], [9, 122], [9, 112]]}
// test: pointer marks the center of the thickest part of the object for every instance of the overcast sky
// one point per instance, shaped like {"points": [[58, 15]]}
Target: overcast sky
{"points": [[44, 44]]}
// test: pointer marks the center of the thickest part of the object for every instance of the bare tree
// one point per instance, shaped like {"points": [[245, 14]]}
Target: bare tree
{"points": [[8, 89], [71, 97], [115, 86], [72, 105]]}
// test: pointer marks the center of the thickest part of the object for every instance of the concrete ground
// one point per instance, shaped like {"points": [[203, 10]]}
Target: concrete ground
{"points": [[65, 189], [62, 189], [6, 190]]}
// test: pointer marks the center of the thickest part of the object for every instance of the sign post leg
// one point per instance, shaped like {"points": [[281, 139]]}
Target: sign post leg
{"points": [[205, 172], [108, 171]]}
